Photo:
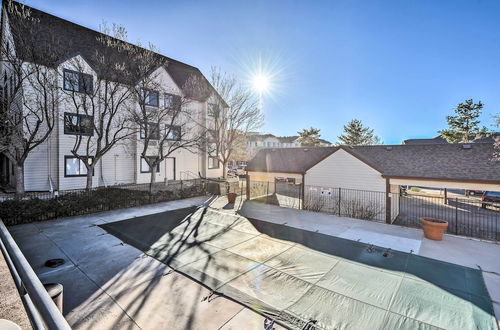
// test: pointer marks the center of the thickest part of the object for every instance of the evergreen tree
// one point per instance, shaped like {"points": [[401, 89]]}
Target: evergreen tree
{"points": [[356, 134], [309, 137], [465, 125]]}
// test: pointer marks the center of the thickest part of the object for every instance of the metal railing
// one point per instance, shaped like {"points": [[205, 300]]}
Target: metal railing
{"points": [[41, 206], [42, 311], [465, 216]]}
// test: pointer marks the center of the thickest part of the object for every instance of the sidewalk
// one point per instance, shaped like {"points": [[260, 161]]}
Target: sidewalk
{"points": [[11, 306], [111, 285]]}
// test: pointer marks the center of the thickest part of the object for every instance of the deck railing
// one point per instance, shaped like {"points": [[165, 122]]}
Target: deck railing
{"points": [[42, 311]]}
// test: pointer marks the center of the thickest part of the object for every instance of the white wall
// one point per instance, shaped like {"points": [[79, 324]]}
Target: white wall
{"points": [[122, 163], [342, 170]]}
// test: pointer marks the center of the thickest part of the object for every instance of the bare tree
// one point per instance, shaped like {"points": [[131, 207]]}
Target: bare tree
{"points": [[230, 117], [102, 106], [29, 91], [165, 119]]}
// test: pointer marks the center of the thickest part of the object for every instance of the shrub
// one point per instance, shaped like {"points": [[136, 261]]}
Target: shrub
{"points": [[14, 212]]}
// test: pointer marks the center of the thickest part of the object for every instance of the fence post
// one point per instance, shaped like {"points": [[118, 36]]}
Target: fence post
{"points": [[388, 201], [267, 193], [456, 215], [340, 200], [248, 187], [302, 193]]}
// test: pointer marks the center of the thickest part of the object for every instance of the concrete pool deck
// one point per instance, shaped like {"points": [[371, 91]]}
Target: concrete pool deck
{"points": [[109, 284]]}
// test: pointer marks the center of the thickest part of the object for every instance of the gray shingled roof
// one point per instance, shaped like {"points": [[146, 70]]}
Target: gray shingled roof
{"points": [[424, 161], [54, 39], [289, 160]]}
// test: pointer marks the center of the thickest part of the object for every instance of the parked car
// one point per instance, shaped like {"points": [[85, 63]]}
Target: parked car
{"points": [[241, 170], [475, 192], [490, 198]]}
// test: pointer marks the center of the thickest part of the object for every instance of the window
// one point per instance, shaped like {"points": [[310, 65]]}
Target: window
{"points": [[150, 97], [212, 110], [76, 167], [78, 124], [153, 131], [145, 167], [77, 82], [213, 135], [213, 162], [173, 133]]}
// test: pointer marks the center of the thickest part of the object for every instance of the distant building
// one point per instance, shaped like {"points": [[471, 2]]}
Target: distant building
{"points": [[482, 138], [437, 140], [259, 141]]}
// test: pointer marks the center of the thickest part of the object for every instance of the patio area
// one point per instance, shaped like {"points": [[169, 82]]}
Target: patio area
{"points": [[110, 284]]}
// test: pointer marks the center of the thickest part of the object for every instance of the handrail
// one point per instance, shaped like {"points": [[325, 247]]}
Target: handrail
{"points": [[187, 174], [36, 300]]}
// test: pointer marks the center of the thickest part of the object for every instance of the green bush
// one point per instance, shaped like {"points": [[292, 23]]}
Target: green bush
{"points": [[14, 212]]}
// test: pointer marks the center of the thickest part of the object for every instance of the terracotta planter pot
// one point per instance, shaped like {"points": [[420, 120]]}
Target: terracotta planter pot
{"points": [[433, 228], [231, 197]]}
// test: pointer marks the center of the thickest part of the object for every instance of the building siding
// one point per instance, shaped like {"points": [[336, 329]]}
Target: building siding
{"points": [[342, 170]]}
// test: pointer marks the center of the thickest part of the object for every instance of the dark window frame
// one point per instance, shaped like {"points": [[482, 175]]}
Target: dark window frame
{"points": [[88, 82], [211, 113], [79, 119], [216, 159], [146, 93], [149, 170], [66, 175], [172, 129], [142, 132]]}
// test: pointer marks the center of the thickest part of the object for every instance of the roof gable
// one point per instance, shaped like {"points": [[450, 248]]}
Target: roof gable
{"points": [[48, 33], [288, 160], [472, 163]]}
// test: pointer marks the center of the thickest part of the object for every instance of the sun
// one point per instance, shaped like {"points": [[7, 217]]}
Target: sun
{"points": [[260, 83]]}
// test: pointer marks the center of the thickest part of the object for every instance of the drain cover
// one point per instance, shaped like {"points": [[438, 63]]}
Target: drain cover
{"points": [[53, 263]]}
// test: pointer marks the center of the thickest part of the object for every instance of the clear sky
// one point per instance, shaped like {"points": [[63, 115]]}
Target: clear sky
{"points": [[398, 65]]}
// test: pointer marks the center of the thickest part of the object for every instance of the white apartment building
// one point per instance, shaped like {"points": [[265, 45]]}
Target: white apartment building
{"points": [[259, 141], [51, 165]]}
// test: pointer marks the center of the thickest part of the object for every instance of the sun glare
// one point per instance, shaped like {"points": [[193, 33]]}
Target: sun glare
{"points": [[260, 83]]}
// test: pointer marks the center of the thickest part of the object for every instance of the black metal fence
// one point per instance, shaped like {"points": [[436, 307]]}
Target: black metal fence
{"points": [[40, 206], [465, 216]]}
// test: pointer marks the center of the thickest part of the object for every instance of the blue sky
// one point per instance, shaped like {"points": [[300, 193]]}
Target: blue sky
{"points": [[398, 65]]}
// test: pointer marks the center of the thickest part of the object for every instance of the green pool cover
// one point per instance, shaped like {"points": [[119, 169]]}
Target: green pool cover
{"points": [[309, 280]]}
